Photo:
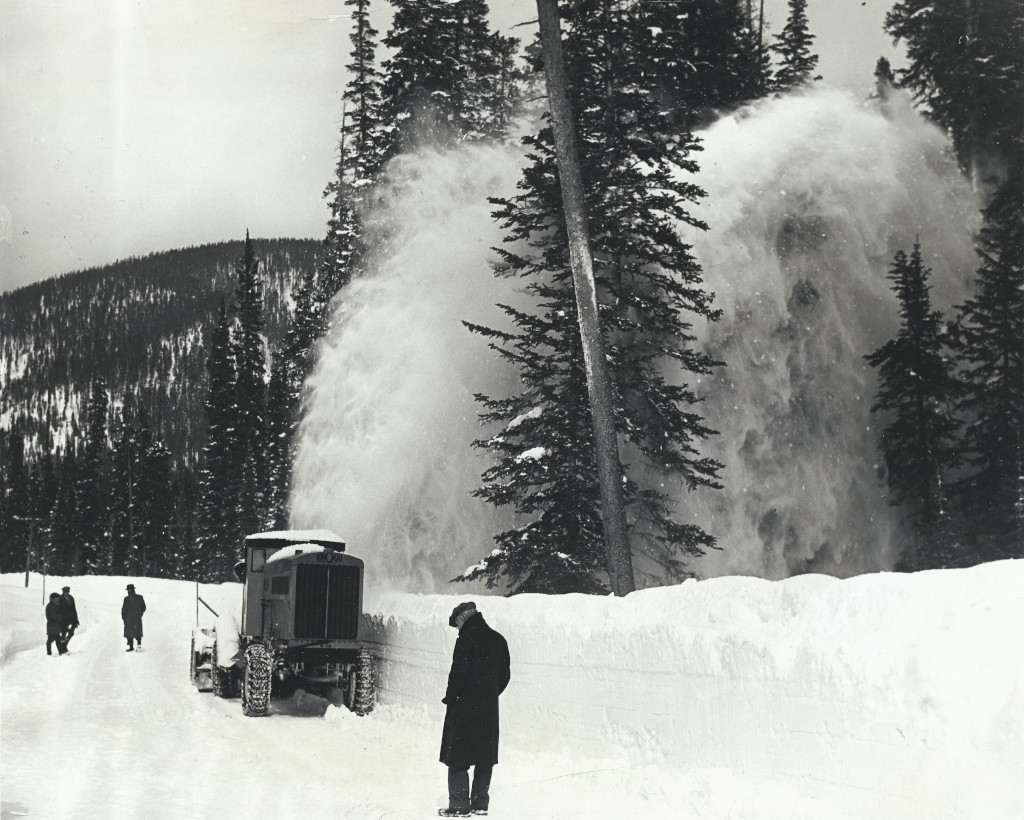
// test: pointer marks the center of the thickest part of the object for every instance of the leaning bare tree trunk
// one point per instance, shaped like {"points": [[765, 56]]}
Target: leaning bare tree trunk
{"points": [[609, 468]]}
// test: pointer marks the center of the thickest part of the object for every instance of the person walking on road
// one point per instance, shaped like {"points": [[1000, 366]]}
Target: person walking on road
{"points": [[479, 674], [69, 616], [131, 613], [54, 624]]}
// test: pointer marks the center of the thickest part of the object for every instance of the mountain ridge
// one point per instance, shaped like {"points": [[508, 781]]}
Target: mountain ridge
{"points": [[142, 325]]}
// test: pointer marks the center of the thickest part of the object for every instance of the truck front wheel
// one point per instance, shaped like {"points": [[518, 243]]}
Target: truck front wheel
{"points": [[256, 681]]}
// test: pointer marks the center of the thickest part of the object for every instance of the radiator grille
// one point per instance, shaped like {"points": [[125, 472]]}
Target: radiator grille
{"points": [[326, 601]]}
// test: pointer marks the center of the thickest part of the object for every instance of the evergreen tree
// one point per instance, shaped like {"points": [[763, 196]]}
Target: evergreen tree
{"points": [[649, 285], [284, 401], [251, 391], [127, 509], [991, 495], [64, 518], [361, 128], [184, 556], [758, 60], [362, 148], [360, 157], [158, 502], [15, 512], [219, 533], [917, 391], [793, 47], [361, 152], [501, 96], [141, 494], [43, 494], [93, 496], [885, 79], [439, 85], [280, 415], [965, 64], [706, 55]]}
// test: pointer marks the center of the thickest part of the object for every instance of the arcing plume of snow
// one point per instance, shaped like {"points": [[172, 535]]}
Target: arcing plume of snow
{"points": [[384, 456], [809, 197]]}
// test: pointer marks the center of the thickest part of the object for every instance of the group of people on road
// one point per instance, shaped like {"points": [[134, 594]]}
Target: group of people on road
{"points": [[62, 619]]}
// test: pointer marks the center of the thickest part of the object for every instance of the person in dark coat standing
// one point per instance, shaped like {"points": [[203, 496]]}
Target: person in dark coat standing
{"points": [[69, 616], [479, 674], [131, 613], [54, 623]]}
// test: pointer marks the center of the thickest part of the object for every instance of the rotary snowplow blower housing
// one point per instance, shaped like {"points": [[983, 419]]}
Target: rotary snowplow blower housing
{"points": [[301, 613]]}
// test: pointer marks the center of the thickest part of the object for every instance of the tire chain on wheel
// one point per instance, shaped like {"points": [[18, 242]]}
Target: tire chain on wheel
{"points": [[256, 681], [365, 683]]}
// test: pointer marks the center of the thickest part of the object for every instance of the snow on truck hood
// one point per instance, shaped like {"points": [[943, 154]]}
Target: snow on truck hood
{"points": [[293, 550], [298, 536]]}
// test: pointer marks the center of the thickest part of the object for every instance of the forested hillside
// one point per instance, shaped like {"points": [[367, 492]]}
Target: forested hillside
{"points": [[140, 326]]}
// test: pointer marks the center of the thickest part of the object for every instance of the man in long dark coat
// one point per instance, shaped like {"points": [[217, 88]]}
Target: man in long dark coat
{"points": [[479, 674], [53, 625], [131, 613], [69, 616]]}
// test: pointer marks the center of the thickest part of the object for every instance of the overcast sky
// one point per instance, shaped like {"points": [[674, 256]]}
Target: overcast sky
{"points": [[129, 127]]}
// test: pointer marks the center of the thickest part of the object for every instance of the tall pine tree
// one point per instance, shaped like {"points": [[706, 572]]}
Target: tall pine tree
{"points": [[14, 513], [707, 55], [991, 495], [279, 451], [917, 391], [965, 65], [251, 391], [361, 151], [64, 518], [634, 165], [130, 445], [797, 63], [158, 503], [441, 80], [219, 532], [141, 494], [93, 553]]}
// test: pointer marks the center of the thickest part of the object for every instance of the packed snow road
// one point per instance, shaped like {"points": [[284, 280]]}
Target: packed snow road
{"points": [[878, 697], [102, 733]]}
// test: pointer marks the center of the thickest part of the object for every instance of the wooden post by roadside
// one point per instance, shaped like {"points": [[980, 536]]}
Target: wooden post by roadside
{"points": [[609, 467]]}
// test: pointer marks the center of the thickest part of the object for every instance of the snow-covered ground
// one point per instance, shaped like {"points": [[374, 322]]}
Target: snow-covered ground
{"points": [[882, 696]]}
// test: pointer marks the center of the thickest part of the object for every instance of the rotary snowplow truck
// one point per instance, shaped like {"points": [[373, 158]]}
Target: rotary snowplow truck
{"points": [[301, 611]]}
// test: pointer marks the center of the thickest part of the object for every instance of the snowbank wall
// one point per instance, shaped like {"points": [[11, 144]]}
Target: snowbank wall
{"points": [[21, 632], [900, 695]]}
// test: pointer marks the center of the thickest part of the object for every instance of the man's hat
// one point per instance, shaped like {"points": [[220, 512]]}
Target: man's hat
{"points": [[54, 594], [130, 586], [66, 589], [463, 607]]}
